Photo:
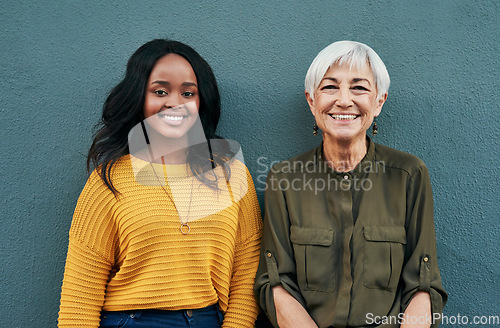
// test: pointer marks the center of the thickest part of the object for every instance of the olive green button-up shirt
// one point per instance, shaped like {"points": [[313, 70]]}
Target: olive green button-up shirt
{"points": [[351, 247]]}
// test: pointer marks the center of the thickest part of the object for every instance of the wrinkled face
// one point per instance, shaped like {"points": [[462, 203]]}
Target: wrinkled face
{"points": [[345, 103], [172, 99]]}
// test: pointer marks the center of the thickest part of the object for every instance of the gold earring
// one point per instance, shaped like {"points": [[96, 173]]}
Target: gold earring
{"points": [[315, 129], [374, 128]]}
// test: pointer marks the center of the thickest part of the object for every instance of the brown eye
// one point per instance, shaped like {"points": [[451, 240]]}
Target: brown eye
{"points": [[160, 92]]}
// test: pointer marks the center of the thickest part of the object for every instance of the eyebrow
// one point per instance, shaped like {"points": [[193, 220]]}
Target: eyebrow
{"points": [[355, 80], [185, 84]]}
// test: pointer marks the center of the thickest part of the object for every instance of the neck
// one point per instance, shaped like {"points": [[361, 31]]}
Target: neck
{"points": [[171, 151], [344, 156], [175, 157]]}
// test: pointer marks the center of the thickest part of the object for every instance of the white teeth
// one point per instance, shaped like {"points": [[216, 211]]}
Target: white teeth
{"points": [[173, 118], [343, 117]]}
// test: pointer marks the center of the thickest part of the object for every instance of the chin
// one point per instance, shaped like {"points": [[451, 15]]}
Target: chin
{"points": [[173, 134], [347, 137]]}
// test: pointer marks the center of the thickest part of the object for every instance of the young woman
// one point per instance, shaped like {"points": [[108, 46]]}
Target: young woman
{"points": [[166, 232]]}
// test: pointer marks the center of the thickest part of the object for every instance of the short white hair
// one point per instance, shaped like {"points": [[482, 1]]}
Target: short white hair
{"points": [[355, 54]]}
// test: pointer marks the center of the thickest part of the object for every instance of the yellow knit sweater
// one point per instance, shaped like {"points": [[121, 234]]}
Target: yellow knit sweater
{"points": [[128, 253]]}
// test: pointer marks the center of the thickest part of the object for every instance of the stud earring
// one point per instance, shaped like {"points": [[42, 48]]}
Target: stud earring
{"points": [[374, 128], [315, 129]]}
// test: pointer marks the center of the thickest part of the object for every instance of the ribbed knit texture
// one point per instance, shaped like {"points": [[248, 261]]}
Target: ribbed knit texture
{"points": [[127, 252]]}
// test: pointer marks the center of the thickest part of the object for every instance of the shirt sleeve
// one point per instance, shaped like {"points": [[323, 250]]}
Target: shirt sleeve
{"points": [[90, 257], [242, 307], [421, 271], [277, 264]]}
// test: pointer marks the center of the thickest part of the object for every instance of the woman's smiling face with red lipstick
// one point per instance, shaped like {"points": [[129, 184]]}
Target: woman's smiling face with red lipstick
{"points": [[172, 99], [345, 102]]}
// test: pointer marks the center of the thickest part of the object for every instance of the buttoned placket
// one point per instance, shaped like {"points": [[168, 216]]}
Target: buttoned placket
{"points": [[343, 197]]}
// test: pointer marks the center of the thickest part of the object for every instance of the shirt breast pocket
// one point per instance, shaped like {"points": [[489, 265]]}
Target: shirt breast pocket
{"points": [[314, 258], [383, 256]]}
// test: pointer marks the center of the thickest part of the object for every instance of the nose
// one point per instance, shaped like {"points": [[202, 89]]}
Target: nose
{"points": [[172, 101], [344, 98]]}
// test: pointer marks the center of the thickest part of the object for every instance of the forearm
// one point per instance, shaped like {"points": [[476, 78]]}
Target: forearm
{"points": [[418, 313], [289, 312]]}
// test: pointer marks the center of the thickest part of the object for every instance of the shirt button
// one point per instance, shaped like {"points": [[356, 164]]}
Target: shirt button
{"points": [[269, 254], [426, 259], [346, 177], [189, 313]]}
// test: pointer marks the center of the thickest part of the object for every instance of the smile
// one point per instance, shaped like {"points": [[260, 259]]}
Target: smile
{"points": [[172, 119], [343, 117]]}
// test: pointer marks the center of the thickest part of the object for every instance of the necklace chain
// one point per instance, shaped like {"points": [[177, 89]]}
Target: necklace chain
{"points": [[184, 227]]}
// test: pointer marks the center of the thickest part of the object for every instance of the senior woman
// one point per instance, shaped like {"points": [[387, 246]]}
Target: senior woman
{"points": [[349, 236]]}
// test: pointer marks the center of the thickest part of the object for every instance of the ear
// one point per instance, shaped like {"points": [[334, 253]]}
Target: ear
{"points": [[310, 101], [380, 103]]}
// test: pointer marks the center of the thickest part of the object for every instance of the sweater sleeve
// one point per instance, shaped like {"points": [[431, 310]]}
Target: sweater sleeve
{"points": [[90, 256], [242, 308]]}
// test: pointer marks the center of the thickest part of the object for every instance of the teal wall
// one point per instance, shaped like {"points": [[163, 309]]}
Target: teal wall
{"points": [[60, 58]]}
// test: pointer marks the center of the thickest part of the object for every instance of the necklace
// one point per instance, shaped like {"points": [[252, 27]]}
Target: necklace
{"points": [[184, 227]]}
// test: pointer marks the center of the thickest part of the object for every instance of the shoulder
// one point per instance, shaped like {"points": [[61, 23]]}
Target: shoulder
{"points": [[120, 170], [118, 166], [240, 179], [395, 159], [95, 201], [122, 166], [228, 153]]}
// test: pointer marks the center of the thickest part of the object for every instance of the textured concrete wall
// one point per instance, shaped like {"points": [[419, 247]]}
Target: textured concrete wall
{"points": [[60, 58]]}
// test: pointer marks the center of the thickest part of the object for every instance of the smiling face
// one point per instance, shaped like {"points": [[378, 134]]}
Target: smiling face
{"points": [[345, 103], [172, 99]]}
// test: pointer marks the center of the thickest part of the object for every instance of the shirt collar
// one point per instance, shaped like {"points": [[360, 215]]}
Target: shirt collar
{"points": [[365, 166]]}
